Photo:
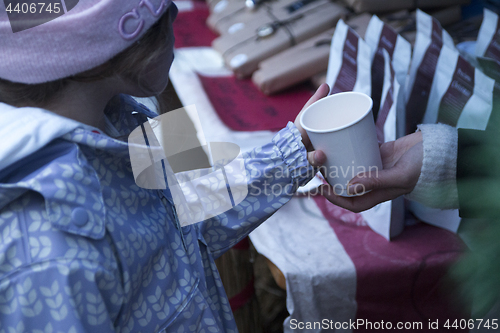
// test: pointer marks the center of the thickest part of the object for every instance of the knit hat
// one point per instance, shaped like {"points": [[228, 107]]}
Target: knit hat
{"points": [[64, 37]]}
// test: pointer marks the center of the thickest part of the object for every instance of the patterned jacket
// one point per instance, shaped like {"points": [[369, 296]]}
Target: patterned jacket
{"points": [[84, 249]]}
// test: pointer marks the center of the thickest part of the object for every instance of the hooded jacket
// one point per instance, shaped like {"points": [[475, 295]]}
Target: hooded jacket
{"points": [[84, 249]]}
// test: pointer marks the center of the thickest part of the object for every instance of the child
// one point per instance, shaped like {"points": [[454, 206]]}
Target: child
{"points": [[83, 248]]}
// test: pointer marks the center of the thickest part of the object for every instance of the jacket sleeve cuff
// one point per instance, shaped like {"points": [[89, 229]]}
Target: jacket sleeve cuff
{"points": [[289, 143], [437, 184]]}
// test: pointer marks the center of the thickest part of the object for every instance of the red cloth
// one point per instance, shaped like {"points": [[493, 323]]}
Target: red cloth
{"points": [[404, 280], [239, 103], [243, 297], [242, 107], [243, 244], [190, 28]]}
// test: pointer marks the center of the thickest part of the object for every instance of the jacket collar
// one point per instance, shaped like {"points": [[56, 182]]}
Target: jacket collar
{"points": [[53, 164], [26, 130]]}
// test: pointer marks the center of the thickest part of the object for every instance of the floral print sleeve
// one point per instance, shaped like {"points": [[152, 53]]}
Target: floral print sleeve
{"points": [[84, 249], [274, 172]]}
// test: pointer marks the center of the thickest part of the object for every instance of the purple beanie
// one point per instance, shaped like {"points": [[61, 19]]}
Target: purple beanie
{"points": [[38, 45]]}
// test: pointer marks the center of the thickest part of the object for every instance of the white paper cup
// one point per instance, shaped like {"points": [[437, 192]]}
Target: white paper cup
{"points": [[342, 126]]}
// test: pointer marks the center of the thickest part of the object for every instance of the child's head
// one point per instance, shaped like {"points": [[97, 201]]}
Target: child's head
{"points": [[140, 30]]}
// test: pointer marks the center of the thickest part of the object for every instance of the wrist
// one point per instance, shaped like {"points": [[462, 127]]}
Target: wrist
{"points": [[436, 186], [303, 134]]}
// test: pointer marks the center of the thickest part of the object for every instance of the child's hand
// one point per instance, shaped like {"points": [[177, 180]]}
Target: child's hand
{"points": [[319, 94], [315, 158]]}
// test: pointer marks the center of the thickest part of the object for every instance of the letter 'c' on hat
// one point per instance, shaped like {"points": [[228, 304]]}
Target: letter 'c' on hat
{"points": [[39, 43]]}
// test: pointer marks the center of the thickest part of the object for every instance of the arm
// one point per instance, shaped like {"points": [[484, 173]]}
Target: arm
{"points": [[437, 184], [274, 173]]}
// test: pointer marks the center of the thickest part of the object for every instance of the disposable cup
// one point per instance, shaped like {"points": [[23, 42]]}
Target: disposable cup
{"points": [[342, 126]]}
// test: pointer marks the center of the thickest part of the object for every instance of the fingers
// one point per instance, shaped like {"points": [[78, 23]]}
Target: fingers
{"points": [[316, 158], [377, 179], [359, 203], [403, 175], [402, 160], [321, 92]]}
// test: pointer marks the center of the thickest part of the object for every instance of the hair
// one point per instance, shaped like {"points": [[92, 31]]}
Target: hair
{"points": [[128, 64]]}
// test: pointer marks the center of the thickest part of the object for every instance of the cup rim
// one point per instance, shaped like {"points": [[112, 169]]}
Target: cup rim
{"points": [[336, 129]]}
